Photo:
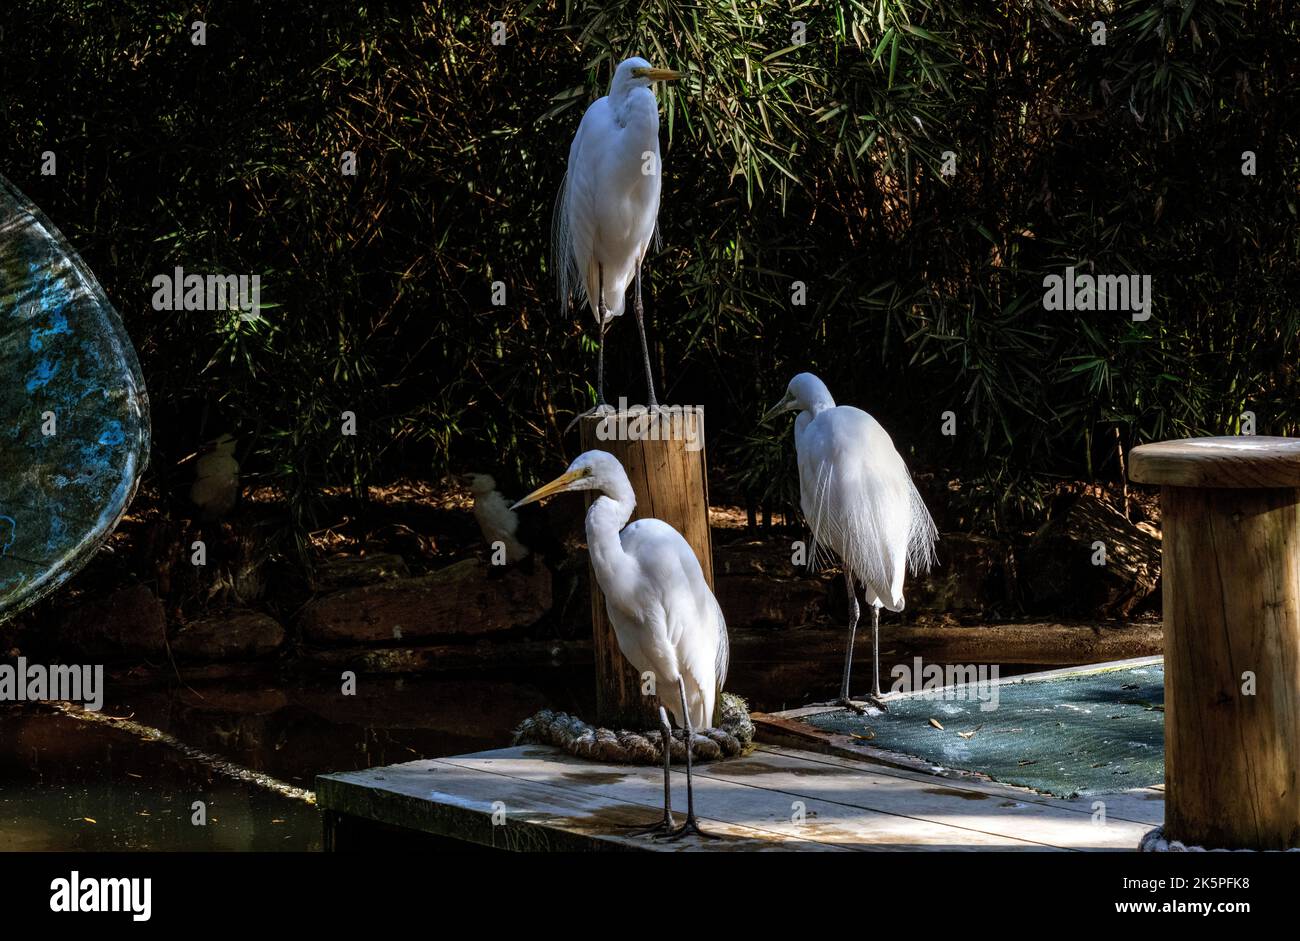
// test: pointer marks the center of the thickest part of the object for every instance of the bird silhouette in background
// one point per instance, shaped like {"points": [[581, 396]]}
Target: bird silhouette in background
{"points": [[215, 490], [498, 523], [520, 536]]}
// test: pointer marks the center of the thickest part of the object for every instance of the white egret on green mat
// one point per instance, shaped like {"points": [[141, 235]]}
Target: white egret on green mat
{"points": [[860, 503], [666, 619], [608, 205]]}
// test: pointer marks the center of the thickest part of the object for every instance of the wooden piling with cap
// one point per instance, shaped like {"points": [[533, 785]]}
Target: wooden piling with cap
{"points": [[1230, 512]]}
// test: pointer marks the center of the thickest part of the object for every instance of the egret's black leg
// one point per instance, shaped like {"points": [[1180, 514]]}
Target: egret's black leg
{"points": [[601, 313], [845, 699], [600, 352], [645, 349], [667, 825], [853, 632], [691, 825], [875, 655]]}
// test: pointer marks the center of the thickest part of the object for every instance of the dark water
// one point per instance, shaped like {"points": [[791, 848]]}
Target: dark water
{"points": [[58, 773], [69, 784]]}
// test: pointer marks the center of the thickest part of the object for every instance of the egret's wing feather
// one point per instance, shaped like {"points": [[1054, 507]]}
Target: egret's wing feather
{"points": [[681, 628], [922, 535], [860, 502], [693, 622], [562, 259], [574, 225], [723, 662]]}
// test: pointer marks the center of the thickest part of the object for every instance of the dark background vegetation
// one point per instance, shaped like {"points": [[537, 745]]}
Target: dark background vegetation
{"points": [[818, 163]]}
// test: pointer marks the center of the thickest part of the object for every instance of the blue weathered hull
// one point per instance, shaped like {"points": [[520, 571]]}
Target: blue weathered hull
{"points": [[64, 355]]}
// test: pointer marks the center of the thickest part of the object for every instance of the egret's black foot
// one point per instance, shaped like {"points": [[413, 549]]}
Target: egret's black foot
{"points": [[689, 828], [662, 828], [875, 700], [843, 704], [600, 408], [867, 704]]}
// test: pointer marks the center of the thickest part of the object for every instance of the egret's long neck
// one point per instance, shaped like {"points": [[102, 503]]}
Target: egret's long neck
{"points": [[606, 517], [637, 107], [819, 405]]}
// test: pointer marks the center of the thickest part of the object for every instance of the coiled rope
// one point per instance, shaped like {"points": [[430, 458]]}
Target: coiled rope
{"points": [[1154, 841], [730, 738]]}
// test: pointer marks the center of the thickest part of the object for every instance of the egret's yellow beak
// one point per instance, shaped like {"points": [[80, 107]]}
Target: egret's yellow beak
{"points": [[658, 75], [558, 485], [786, 403]]}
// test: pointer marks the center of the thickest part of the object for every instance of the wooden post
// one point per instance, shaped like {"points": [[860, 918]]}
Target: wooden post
{"points": [[1231, 590], [665, 462]]}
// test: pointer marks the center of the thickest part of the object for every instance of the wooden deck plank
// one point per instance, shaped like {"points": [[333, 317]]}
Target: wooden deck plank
{"points": [[989, 809], [1143, 805], [446, 800], [554, 801], [748, 804]]}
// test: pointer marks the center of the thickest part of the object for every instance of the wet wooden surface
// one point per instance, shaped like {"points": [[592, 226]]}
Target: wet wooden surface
{"points": [[537, 798]]}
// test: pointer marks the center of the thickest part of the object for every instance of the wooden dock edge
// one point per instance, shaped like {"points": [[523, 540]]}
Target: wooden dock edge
{"points": [[338, 798]]}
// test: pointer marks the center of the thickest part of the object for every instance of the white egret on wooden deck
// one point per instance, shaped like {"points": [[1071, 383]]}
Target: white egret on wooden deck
{"points": [[860, 503], [666, 619], [608, 205]]}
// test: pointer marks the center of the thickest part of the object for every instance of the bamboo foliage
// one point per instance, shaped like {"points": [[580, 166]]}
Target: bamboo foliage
{"points": [[821, 162]]}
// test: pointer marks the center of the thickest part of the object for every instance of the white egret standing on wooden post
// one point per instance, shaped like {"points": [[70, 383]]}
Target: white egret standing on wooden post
{"points": [[860, 503], [665, 617], [608, 205]]}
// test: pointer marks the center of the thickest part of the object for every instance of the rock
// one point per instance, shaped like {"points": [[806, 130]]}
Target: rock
{"points": [[400, 538], [233, 635], [352, 571], [468, 598], [758, 587], [971, 577], [1150, 529], [129, 622], [1058, 571]]}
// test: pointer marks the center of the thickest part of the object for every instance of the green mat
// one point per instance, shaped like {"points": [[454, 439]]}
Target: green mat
{"points": [[1066, 735]]}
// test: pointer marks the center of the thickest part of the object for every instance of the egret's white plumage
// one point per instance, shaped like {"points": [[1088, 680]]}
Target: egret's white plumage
{"points": [[664, 615], [496, 520], [606, 212], [857, 497]]}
